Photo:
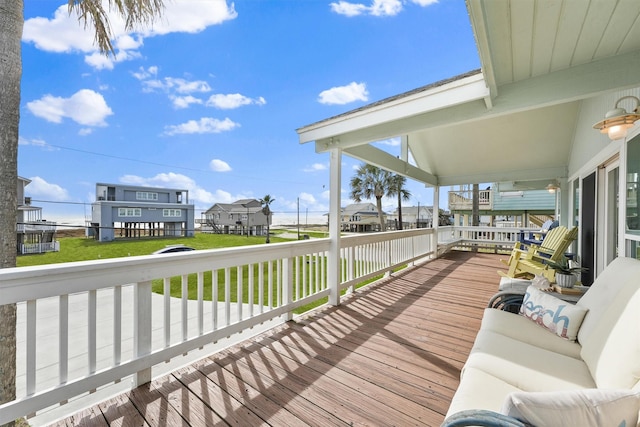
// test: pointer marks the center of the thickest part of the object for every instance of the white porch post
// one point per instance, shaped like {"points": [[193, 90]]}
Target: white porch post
{"points": [[435, 219], [333, 261]]}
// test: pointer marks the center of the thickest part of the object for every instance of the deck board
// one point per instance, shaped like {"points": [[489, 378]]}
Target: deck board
{"points": [[390, 354]]}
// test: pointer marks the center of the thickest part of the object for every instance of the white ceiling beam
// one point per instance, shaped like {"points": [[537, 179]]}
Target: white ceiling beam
{"points": [[453, 93], [505, 176], [580, 82], [374, 156]]}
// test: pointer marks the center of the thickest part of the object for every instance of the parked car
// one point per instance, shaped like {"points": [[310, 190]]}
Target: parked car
{"points": [[173, 248]]}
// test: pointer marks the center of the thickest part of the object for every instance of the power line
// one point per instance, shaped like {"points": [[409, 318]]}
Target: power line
{"points": [[166, 165]]}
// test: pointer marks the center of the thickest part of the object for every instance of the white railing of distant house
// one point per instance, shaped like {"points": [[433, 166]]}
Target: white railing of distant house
{"points": [[38, 226], [38, 248], [90, 324], [496, 238], [459, 200]]}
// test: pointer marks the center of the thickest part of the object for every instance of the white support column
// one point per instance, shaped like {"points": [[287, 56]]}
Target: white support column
{"points": [[142, 328], [435, 219], [404, 148], [333, 261]]}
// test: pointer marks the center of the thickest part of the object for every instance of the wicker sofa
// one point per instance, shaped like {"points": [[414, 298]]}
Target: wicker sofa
{"points": [[515, 356]]}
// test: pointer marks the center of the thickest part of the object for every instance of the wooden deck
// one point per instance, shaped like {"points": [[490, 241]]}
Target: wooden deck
{"points": [[389, 355]]}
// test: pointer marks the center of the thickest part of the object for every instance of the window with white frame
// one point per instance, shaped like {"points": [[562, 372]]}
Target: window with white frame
{"points": [[146, 195], [632, 196], [174, 213], [129, 212]]}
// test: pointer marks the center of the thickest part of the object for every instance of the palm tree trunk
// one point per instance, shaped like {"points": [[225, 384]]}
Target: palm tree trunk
{"points": [[380, 214], [399, 209], [11, 23]]}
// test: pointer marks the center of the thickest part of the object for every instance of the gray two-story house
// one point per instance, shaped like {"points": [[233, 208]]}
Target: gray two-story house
{"points": [[128, 211], [243, 216]]}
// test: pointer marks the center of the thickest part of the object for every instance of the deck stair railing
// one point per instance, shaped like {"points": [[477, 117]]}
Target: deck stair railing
{"points": [[463, 200]]}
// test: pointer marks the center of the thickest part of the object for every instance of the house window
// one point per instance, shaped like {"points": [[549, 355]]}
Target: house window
{"points": [[632, 196], [129, 212], [146, 195], [174, 213], [633, 182]]}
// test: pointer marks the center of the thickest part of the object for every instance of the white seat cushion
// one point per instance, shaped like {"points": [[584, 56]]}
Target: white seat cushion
{"points": [[479, 390], [522, 329], [583, 408], [526, 366]]}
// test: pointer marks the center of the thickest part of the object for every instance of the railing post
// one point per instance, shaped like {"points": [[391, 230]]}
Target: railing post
{"points": [[333, 257], [287, 286], [142, 328], [350, 260], [435, 220]]}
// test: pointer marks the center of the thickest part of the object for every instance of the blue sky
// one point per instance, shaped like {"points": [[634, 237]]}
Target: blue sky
{"points": [[209, 97]]}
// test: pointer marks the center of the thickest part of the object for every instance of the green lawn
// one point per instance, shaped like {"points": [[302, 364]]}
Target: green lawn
{"points": [[81, 249]]}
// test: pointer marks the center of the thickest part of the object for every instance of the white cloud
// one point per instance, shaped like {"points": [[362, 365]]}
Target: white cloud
{"points": [[424, 2], [101, 61], [307, 199], [143, 74], [377, 7], [180, 102], [393, 142], [172, 180], [232, 100], [85, 107], [64, 33], [177, 85], [344, 94], [36, 142], [386, 7], [218, 165], [85, 131], [202, 198], [204, 125], [315, 167], [38, 187]]}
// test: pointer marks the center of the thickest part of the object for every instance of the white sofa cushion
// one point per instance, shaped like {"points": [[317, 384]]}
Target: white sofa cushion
{"points": [[603, 292], [526, 366], [584, 408], [612, 349], [479, 390], [558, 316], [522, 329]]}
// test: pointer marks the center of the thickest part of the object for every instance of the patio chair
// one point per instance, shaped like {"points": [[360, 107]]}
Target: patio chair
{"points": [[553, 239], [536, 238], [534, 260]]}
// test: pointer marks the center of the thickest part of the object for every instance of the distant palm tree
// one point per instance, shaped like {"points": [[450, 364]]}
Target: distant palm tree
{"points": [[134, 12], [265, 202], [397, 189], [372, 182]]}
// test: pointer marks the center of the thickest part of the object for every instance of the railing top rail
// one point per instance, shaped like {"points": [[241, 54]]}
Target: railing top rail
{"points": [[28, 283], [359, 239]]}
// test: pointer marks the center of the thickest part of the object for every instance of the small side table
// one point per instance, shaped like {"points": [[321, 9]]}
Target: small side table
{"points": [[571, 295]]}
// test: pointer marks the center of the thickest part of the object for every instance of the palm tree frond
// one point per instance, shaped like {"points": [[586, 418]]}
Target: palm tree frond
{"points": [[134, 12]]}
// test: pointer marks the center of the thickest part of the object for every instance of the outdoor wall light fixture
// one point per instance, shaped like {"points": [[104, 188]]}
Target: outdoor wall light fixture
{"points": [[617, 121], [552, 187]]}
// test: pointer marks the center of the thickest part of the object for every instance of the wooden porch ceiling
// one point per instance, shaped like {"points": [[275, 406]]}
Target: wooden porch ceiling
{"points": [[389, 355]]}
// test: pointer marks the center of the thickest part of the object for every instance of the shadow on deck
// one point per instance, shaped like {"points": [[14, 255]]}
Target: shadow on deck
{"points": [[391, 354]]}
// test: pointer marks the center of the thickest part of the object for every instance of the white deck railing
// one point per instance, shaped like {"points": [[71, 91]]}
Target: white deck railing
{"points": [[84, 325]]}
